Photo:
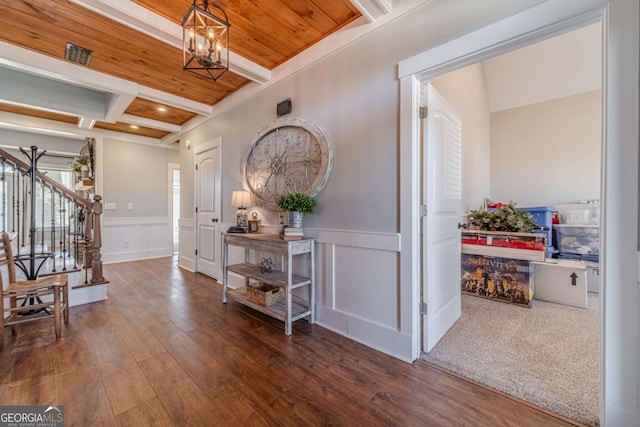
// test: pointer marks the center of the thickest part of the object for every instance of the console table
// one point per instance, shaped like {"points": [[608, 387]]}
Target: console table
{"points": [[293, 307]]}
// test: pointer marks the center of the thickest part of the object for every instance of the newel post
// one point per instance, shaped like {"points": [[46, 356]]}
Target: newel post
{"points": [[96, 264]]}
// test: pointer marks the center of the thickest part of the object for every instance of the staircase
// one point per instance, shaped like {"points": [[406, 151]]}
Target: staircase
{"points": [[53, 229]]}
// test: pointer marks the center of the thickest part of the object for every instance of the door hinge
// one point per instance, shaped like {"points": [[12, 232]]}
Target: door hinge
{"points": [[196, 167], [423, 308], [424, 111], [423, 210], [196, 209], [196, 252]]}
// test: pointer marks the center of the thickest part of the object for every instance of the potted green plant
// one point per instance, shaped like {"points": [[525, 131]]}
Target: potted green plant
{"points": [[296, 204], [80, 164], [507, 218]]}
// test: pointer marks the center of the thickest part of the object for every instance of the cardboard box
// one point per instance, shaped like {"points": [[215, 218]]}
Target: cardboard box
{"points": [[501, 279], [561, 281], [593, 276]]}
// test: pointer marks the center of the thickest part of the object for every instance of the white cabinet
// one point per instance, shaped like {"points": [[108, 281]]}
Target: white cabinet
{"points": [[293, 307]]}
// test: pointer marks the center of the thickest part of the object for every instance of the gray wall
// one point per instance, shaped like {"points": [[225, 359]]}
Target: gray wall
{"points": [[136, 173], [353, 96], [548, 153]]}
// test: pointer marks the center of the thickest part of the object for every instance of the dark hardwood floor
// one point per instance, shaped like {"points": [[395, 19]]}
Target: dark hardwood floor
{"points": [[164, 350]]}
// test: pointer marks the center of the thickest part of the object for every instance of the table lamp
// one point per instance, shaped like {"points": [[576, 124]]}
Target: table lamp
{"points": [[241, 200]]}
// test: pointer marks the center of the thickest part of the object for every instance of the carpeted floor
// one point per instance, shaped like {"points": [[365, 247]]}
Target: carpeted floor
{"points": [[547, 354]]}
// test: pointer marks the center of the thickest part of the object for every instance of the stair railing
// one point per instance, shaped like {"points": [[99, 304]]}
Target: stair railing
{"points": [[74, 220]]}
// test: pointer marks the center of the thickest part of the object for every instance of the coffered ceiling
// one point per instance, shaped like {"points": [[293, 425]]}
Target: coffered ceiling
{"points": [[134, 83]]}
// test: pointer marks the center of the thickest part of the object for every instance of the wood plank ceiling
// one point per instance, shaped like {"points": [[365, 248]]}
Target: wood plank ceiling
{"points": [[267, 32]]}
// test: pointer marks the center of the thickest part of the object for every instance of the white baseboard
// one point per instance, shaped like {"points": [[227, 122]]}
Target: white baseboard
{"points": [[188, 264], [378, 337], [619, 417]]}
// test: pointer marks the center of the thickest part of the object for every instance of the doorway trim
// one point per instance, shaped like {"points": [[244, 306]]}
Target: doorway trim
{"points": [[170, 168], [531, 26]]}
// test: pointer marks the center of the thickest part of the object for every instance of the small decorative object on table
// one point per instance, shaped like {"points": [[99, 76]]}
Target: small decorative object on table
{"points": [[254, 223], [241, 200], [265, 265]]}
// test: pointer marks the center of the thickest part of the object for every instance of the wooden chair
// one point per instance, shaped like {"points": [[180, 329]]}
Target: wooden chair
{"points": [[33, 295]]}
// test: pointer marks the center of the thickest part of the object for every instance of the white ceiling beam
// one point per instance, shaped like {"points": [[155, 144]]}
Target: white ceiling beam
{"points": [[127, 137], [86, 123], [117, 105], [249, 70], [122, 91], [22, 88], [21, 123], [173, 100], [149, 123], [57, 69], [373, 9], [145, 21], [137, 17]]}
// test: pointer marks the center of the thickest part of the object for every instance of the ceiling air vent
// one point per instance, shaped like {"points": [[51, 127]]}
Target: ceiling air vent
{"points": [[78, 54]]}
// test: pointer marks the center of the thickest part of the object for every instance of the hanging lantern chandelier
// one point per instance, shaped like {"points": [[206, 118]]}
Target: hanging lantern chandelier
{"points": [[205, 40]]}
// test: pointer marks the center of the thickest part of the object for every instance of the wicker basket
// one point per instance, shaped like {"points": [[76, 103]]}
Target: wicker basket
{"points": [[264, 293]]}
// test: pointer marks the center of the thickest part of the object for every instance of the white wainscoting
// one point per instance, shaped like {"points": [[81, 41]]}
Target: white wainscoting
{"points": [[187, 257], [357, 284], [128, 239], [358, 288], [235, 255]]}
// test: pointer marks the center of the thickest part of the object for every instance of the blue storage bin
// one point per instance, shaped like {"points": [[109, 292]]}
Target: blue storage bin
{"points": [[543, 215]]}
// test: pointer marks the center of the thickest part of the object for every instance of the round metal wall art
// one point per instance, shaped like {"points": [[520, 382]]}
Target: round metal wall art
{"points": [[290, 155]]}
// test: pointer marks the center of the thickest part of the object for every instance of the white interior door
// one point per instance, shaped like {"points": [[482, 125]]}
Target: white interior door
{"points": [[208, 199], [442, 196]]}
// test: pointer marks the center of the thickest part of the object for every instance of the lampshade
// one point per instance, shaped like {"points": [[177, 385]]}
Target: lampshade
{"points": [[241, 199], [205, 38]]}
